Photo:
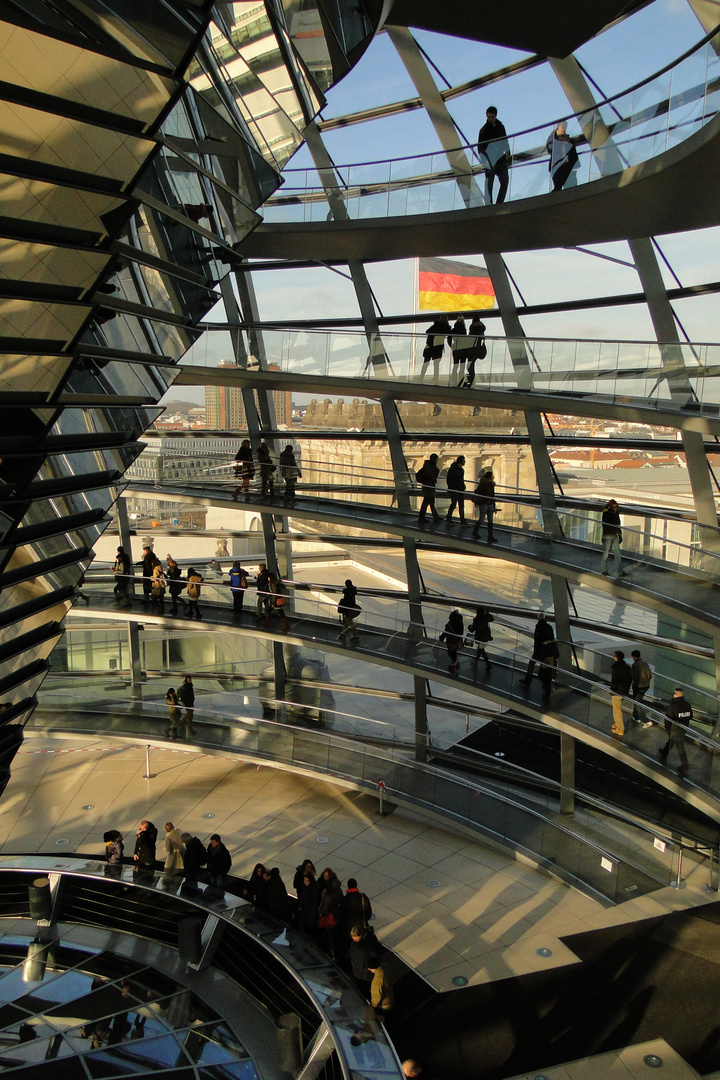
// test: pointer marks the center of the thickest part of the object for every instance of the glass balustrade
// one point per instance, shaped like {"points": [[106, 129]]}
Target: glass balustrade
{"points": [[615, 134], [650, 375]]}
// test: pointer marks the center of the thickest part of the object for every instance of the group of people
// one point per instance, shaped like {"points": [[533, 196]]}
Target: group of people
{"points": [[467, 344], [454, 637], [176, 701], [483, 497], [245, 471], [633, 681], [494, 150], [185, 854], [157, 581]]}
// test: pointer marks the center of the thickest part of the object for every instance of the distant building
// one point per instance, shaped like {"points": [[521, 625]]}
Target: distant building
{"points": [[224, 409]]}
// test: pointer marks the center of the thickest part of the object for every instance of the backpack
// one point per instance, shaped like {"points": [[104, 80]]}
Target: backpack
{"points": [[192, 589], [243, 581], [644, 673], [420, 475]]}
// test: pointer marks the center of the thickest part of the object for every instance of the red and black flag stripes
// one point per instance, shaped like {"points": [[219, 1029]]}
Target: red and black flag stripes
{"points": [[446, 285]]}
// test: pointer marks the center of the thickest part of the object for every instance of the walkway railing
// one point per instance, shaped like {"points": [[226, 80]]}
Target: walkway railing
{"points": [[643, 122], [524, 822], [655, 375]]}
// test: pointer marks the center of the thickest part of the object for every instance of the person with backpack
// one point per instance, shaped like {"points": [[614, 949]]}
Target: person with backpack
{"points": [[641, 677], [348, 610], [238, 586], [427, 478], [485, 501], [173, 703], [262, 582], [277, 602], [456, 486], [193, 591]]}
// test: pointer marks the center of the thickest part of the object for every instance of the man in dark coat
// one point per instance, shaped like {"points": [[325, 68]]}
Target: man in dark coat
{"points": [[456, 485], [494, 150], [620, 683], [611, 538], [356, 911], [263, 594], [195, 856], [542, 634], [484, 499], [680, 714], [365, 949], [276, 898], [218, 862], [147, 562], [144, 854], [427, 478]]}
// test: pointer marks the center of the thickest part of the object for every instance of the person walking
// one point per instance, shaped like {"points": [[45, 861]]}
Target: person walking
{"points": [[348, 610], [173, 703], [289, 471], [480, 628], [194, 580], [563, 157], [494, 150], [547, 666], [611, 538], [238, 586], [159, 585], [477, 349], [437, 332], [460, 343], [174, 849], [364, 950], [542, 634], [267, 484], [484, 499], [456, 486], [244, 469], [173, 573], [144, 854], [147, 562], [679, 713], [121, 571], [219, 862], [186, 697], [262, 582], [641, 677], [427, 477], [453, 635], [277, 602], [620, 683]]}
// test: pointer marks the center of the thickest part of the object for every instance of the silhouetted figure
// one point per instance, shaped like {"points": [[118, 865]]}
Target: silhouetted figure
{"points": [[494, 150]]}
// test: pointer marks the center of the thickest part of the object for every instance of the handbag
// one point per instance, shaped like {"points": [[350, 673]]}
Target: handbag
{"points": [[327, 922]]}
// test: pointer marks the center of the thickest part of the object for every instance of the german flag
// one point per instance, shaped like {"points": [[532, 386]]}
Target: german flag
{"points": [[446, 285]]}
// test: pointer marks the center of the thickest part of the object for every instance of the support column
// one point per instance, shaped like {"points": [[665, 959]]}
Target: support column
{"points": [[421, 724], [567, 773], [123, 522], [136, 675]]}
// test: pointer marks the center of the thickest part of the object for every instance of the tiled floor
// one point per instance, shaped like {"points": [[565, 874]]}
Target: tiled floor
{"points": [[483, 917]]}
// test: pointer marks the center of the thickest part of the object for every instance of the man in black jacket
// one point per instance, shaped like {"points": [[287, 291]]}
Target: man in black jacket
{"points": [[611, 538], [195, 856], [365, 949], [427, 478], [680, 714], [542, 635], [620, 683], [494, 150], [218, 862], [456, 485], [641, 676], [144, 855]]}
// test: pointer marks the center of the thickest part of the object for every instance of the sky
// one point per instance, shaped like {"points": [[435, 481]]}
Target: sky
{"points": [[613, 61]]}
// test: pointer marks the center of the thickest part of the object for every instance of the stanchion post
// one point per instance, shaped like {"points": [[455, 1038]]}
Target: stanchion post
{"points": [[679, 884], [381, 789], [148, 775]]}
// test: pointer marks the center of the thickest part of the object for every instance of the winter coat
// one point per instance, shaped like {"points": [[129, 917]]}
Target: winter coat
{"points": [[145, 845], [611, 523], [356, 911], [480, 626], [455, 478], [620, 677], [114, 851], [364, 952], [276, 897], [331, 899], [174, 850], [195, 857], [428, 474], [308, 900], [219, 860], [542, 633]]}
